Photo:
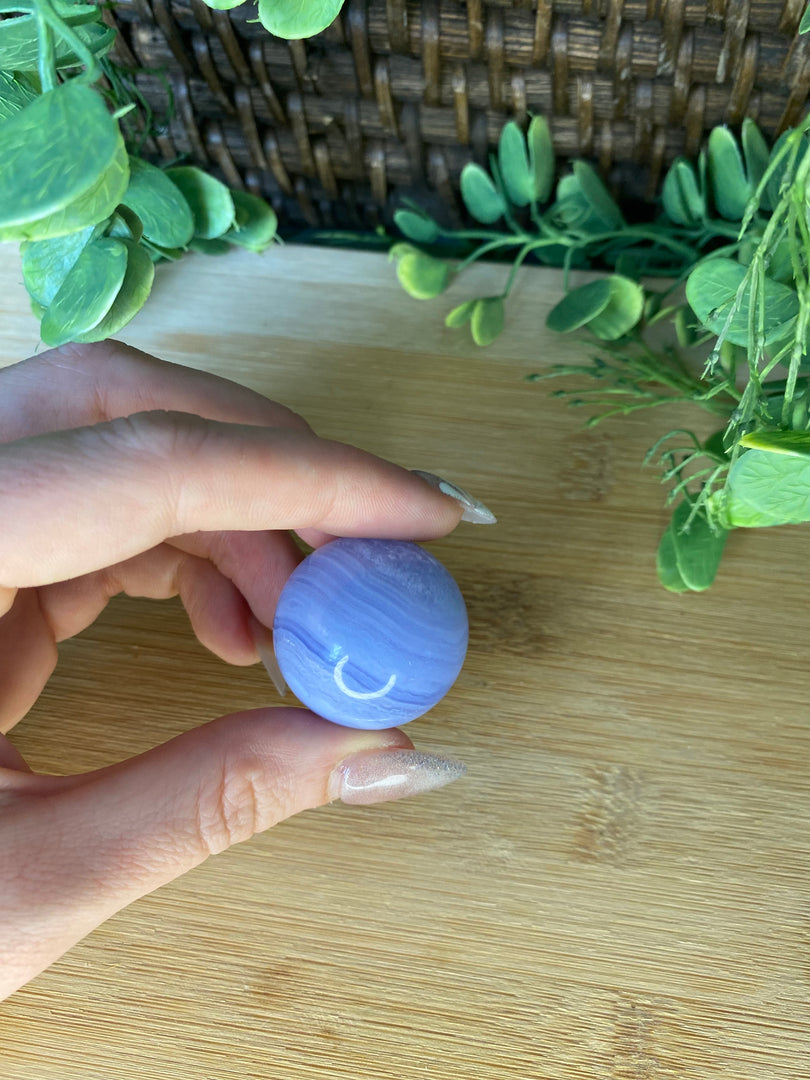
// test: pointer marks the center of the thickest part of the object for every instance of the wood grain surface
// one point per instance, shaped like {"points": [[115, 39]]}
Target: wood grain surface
{"points": [[620, 888]]}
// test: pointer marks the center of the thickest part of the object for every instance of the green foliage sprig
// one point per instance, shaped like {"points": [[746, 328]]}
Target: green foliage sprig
{"points": [[291, 19], [732, 237], [93, 219]]}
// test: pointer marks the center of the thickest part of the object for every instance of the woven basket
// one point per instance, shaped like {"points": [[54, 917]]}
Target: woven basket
{"points": [[395, 98]]}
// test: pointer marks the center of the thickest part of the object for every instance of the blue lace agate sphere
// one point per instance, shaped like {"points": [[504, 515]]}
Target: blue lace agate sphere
{"points": [[370, 633]]}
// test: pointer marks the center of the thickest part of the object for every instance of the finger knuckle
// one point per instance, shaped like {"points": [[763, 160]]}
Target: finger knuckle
{"points": [[238, 803]]}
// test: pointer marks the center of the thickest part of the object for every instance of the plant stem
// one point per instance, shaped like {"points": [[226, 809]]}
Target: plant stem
{"points": [[46, 60], [493, 245]]}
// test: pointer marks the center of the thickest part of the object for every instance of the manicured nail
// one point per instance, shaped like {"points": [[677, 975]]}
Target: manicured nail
{"points": [[263, 640], [375, 776], [474, 509]]}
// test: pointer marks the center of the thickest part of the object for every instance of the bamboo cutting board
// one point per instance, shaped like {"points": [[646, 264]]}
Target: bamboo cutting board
{"points": [[620, 888]]}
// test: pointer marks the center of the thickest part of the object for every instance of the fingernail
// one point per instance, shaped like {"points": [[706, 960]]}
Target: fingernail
{"points": [[474, 509], [263, 640], [375, 776]]}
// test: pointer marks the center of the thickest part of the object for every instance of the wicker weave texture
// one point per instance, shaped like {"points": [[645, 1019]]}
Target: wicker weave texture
{"points": [[397, 97]]}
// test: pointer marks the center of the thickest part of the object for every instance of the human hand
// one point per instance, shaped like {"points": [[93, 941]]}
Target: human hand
{"points": [[120, 473]]}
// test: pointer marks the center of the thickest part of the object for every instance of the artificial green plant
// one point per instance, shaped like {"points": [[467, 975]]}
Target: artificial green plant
{"points": [[726, 331], [92, 217], [289, 18]]}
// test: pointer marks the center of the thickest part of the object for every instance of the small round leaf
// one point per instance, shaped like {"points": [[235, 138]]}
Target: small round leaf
{"points": [[296, 19], [460, 315], [541, 158], [597, 196], [683, 202], [487, 320], [730, 187], [215, 246], [90, 208], [579, 306], [417, 227], [210, 201], [87, 293], [46, 263], [513, 161], [132, 295], [51, 153], [422, 276], [764, 488], [667, 564], [622, 312], [256, 222], [481, 197], [158, 201], [711, 289], [697, 551]]}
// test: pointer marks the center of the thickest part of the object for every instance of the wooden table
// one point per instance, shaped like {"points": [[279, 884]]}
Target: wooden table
{"points": [[621, 886]]}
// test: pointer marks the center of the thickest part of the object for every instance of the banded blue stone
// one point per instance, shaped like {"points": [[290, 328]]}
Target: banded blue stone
{"points": [[370, 633]]}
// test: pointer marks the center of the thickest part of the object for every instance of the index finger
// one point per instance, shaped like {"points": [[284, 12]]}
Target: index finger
{"points": [[77, 385], [72, 502]]}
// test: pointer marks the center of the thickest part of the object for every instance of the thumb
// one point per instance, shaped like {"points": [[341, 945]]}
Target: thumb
{"points": [[77, 849]]}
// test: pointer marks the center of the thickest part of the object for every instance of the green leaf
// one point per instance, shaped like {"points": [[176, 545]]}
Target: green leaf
{"points": [[667, 564], [579, 306], [514, 165], [716, 444], [215, 246], [125, 224], [575, 212], [730, 187], [683, 202], [560, 255], [756, 153], [697, 552], [422, 276], [541, 158], [74, 13], [460, 315], [804, 25], [223, 5], [481, 197], [160, 204], [765, 488], [87, 293], [51, 153], [256, 223], [96, 204], [158, 254], [46, 263], [712, 287], [135, 288], [794, 443], [210, 201], [417, 227], [15, 94], [19, 43], [597, 196], [487, 319], [623, 310], [780, 267], [295, 19]]}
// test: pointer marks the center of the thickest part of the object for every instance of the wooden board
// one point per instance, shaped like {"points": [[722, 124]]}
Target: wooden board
{"points": [[620, 888]]}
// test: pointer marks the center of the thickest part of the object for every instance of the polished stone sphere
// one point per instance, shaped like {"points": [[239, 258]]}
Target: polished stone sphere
{"points": [[370, 633]]}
